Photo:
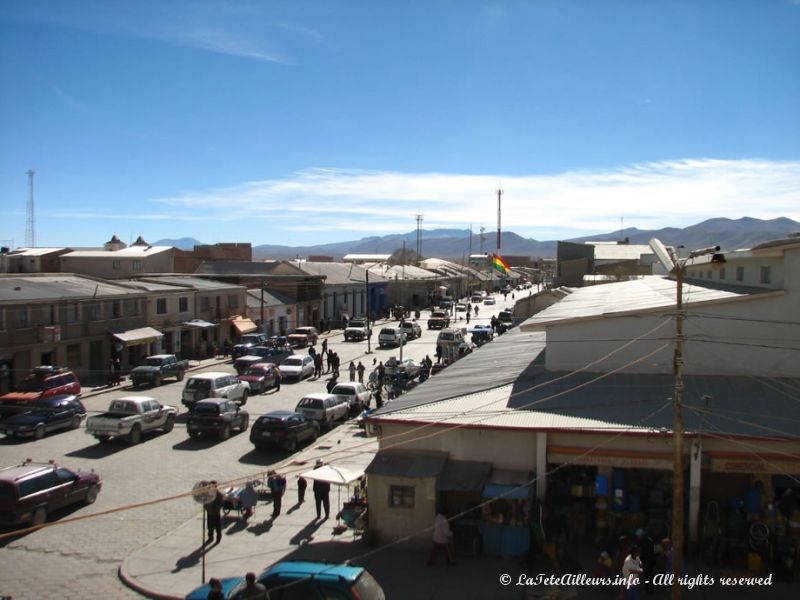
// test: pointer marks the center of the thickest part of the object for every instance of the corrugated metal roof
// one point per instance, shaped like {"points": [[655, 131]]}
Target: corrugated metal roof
{"points": [[58, 286], [620, 251], [648, 293], [35, 251], [398, 463], [130, 251], [337, 273], [197, 283], [253, 299], [401, 272]]}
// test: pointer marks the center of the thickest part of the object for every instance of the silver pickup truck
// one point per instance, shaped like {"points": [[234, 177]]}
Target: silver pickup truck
{"points": [[131, 416]]}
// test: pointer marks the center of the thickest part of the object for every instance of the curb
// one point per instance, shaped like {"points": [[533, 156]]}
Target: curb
{"points": [[122, 572]]}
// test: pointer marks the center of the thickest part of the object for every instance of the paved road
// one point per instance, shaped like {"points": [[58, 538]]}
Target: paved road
{"points": [[73, 559]]}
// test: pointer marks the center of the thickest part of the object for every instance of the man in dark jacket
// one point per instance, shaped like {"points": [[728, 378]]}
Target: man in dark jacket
{"points": [[214, 516], [322, 490]]}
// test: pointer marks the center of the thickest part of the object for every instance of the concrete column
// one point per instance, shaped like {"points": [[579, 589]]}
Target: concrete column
{"points": [[695, 469], [541, 464]]}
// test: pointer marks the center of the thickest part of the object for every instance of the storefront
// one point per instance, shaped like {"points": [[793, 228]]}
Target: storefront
{"points": [[460, 486], [133, 345], [505, 523]]}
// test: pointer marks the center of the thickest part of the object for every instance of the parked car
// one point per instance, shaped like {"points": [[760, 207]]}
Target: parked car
{"points": [[218, 417], [301, 337], [406, 366], [261, 377], [323, 408], [482, 334], [489, 300], [155, 368], [260, 354], [307, 580], [44, 381], [44, 416], [355, 394], [214, 384], [462, 307], [130, 417], [412, 329], [476, 298], [247, 341], [439, 319], [31, 491], [450, 336], [284, 429], [297, 366], [446, 303], [506, 318], [394, 335]]}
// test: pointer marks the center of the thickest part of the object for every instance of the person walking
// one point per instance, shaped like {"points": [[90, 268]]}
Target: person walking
{"points": [[277, 486], [360, 368], [302, 484], [318, 365], [214, 516], [331, 383], [352, 370], [632, 573], [329, 361], [322, 490], [467, 317], [442, 536], [336, 363], [278, 378], [325, 346]]}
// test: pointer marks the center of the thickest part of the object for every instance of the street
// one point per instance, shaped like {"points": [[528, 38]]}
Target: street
{"points": [[74, 559]]}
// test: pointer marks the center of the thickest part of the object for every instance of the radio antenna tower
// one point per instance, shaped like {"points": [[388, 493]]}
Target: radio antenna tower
{"points": [[30, 231], [419, 218]]}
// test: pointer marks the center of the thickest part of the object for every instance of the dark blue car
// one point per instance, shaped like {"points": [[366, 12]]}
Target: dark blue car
{"points": [[44, 416], [294, 580]]}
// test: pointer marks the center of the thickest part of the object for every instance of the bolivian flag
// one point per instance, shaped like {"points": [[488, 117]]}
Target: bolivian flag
{"points": [[499, 264]]}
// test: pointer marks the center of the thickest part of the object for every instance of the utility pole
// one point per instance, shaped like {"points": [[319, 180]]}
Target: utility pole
{"points": [[419, 218], [369, 331], [677, 475], [30, 224]]}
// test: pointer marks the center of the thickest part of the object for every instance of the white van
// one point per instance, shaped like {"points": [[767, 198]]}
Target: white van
{"points": [[393, 335], [450, 336], [324, 408]]}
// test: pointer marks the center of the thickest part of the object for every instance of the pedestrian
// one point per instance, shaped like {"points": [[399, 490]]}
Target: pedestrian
{"points": [[438, 353], [215, 589], [476, 310], [631, 572], [322, 490], [352, 370], [214, 515], [329, 361], [325, 346], [381, 374], [331, 383], [378, 398], [248, 500], [278, 378], [648, 555], [277, 486], [317, 365], [111, 369], [360, 368], [312, 351], [442, 536], [253, 590], [335, 365], [467, 317], [226, 348], [302, 484]]}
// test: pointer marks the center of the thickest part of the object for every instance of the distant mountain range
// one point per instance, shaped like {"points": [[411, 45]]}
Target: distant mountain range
{"points": [[729, 234]]}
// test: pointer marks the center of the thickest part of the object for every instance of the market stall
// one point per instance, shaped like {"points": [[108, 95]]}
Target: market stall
{"points": [[505, 529], [353, 511]]}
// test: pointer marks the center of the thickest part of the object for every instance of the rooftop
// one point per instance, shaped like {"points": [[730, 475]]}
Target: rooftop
{"points": [[58, 286]]}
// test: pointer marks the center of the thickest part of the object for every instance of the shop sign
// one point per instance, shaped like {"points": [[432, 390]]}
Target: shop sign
{"points": [[754, 465], [580, 456]]}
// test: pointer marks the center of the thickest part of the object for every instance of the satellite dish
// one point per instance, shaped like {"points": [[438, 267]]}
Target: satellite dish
{"points": [[663, 255], [204, 492]]}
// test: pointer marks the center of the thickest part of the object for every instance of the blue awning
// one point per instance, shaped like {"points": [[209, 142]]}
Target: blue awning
{"points": [[509, 492]]}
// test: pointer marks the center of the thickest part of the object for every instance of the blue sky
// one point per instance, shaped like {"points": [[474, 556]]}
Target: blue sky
{"points": [[308, 122]]}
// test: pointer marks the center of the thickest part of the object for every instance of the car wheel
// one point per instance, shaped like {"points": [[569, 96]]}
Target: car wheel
{"points": [[169, 424], [180, 375], [91, 494], [76, 422], [245, 424], [38, 433], [315, 434], [39, 516], [102, 438], [292, 447], [194, 434], [157, 381], [225, 432], [135, 436]]}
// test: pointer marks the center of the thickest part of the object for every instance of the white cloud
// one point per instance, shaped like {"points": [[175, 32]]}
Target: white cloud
{"points": [[651, 195]]}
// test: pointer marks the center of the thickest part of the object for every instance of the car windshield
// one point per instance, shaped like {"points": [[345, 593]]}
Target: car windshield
{"points": [[153, 362], [446, 336], [7, 492], [122, 406], [33, 384], [311, 403], [343, 390], [387, 332], [198, 384], [257, 372], [292, 362], [206, 408], [357, 323]]}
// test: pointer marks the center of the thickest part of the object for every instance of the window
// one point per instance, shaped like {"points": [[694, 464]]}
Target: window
{"points": [[22, 320], [116, 264], [132, 308], [183, 304], [739, 273], [765, 275], [401, 496], [204, 303], [233, 301], [73, 312], [722, 273], [47, 315], [116, 309], [138, 265], [95, 311], [161, 306]]}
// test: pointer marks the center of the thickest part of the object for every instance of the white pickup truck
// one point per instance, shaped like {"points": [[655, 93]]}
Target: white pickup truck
{"points": [[131, 416]]}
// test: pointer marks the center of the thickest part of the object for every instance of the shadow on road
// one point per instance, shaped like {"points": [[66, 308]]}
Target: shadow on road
{"points": [[99, 450], [262, 457], [201, 443]]}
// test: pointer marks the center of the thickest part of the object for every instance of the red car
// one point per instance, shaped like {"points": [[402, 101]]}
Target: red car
{"points": [[43, 382], [261, 377]]}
